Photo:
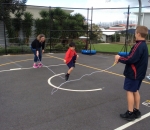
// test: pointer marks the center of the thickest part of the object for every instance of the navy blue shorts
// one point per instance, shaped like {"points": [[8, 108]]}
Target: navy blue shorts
{"points": [[132, 85], [72, 62]]}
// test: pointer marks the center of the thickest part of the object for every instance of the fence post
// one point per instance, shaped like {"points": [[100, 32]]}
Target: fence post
{"points": [[91, 27], [127, 29], [50, 20], [4, 29], [87, 41]]}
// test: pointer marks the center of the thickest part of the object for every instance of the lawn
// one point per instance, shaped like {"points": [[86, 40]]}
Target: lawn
{"points": [[111, 47]]}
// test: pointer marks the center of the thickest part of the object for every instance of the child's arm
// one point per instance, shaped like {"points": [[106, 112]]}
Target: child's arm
{"points": [[76, 54], [133, 57]]}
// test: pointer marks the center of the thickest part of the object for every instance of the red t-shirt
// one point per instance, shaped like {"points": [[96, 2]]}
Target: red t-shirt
{"points": [[69, 55]]}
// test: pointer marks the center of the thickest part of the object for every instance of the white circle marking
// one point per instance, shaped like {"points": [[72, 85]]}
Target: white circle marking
{"points": [[49, 82]]}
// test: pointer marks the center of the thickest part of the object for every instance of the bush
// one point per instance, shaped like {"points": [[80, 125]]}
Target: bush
{"points": [[79, 45], [2, 51], [59, 47]]}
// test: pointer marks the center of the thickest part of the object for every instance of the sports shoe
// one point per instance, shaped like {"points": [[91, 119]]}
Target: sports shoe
{"points": [[66, 77], [40, 65], [128, 116], [35, 66], [137, 113]]}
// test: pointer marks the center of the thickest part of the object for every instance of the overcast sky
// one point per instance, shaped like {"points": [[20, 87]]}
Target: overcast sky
{"points": [[87, 3], [98, 15]]}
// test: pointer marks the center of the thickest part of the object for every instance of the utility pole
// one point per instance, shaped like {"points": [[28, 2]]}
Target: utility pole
{"points": [[139, 14]]}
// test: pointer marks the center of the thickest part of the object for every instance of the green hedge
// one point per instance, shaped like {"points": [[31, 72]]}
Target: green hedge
{"points": [[26, 49]]}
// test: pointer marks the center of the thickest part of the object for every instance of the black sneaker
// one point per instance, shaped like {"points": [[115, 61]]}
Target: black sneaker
{"points": [[137, 113], [66, 77], [128, 116]]}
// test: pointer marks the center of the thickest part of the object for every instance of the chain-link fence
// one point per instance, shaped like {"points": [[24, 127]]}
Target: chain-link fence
{"points": [[101, 29]]}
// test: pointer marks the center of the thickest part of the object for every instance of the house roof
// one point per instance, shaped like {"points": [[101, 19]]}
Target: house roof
{"points": [[109, 32], [118, 29], [132, 31], [124, 25]]}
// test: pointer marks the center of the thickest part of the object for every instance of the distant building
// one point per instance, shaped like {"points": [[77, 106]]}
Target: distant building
{"points": [[121, 27], [145, 18], [106, 33]]}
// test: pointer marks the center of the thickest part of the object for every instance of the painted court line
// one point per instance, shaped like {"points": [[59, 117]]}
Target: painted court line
{"points": [[19, 61], [14, 62], [133, 122], [75, 90], [14, 69]]}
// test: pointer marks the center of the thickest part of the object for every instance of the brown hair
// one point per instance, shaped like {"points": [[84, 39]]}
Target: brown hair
{"points": [[143, 30], [40, 36]]}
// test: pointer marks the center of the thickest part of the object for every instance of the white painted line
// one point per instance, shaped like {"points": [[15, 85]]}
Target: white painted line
{"points": [[28, 68], [133, 122], [5, 70], [16, 69], [7, 55], [49, 82], [13, 62]]}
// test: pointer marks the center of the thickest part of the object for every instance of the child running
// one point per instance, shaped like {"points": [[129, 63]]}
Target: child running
{"points": [[135, 71], [70, 59]]}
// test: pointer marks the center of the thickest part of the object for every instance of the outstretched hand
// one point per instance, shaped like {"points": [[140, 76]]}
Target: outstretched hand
{"points": [[116, 59]]}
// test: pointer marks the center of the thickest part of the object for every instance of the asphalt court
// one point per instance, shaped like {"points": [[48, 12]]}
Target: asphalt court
{"points": [[26, 102]]}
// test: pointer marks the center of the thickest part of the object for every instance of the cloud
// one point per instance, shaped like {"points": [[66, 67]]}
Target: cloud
{"points": [[110, 15]]}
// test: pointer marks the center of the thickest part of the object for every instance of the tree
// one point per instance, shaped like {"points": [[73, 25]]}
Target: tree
{"points": [[6, 8], [16, 23], [96, 33], [42, 25], [27, 24], [58, 20]]}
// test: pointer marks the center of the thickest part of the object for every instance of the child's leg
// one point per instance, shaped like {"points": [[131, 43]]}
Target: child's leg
{"points": [[130, 100], [68, 73], [137, 100], [136, 111], [70, 70]]}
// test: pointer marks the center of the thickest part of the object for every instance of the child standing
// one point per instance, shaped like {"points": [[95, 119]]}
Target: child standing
{"points": [[70, 59], [135, 71]]}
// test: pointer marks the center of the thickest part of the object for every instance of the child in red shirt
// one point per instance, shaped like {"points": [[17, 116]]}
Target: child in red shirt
{"points": [[70, 59]]}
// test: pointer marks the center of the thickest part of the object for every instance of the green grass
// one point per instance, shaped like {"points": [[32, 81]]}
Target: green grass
{"points": [[111, 47]]}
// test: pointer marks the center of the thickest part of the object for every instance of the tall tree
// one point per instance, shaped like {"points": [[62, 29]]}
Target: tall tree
{"points": [[27, 24], [6, 8], [96, 33]]}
